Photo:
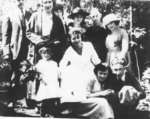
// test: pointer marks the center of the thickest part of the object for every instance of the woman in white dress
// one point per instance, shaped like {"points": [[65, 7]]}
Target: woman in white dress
{"points": [[117, 42], [77, 73], [78, 61]]}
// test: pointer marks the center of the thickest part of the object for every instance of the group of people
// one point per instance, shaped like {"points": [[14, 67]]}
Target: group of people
{"points": [[84, 63]]}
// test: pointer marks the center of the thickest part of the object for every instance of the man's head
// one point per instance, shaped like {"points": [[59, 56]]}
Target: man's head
{"points": [[102, 72], [19, 3], [48, 5], [96, 16], [118, 66], [58, 10]]}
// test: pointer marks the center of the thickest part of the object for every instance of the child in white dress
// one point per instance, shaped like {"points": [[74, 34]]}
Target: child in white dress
{"points": [[48, 76]]}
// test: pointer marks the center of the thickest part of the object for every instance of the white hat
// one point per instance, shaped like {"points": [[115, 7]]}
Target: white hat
{"points": [[74, 29], [110, 18]]}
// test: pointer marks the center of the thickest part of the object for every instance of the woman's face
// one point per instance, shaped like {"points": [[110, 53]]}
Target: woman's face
{"points": [[102, 75], [76, 37], [77, 20], [112, 26], [46, 55], [48, 5]]}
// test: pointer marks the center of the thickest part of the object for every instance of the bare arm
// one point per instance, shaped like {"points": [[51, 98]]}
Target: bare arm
{"points": [[125, 43]]}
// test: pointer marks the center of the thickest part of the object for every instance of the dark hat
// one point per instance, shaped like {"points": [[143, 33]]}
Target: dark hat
{"points": [[101, 67], [78, 11]]}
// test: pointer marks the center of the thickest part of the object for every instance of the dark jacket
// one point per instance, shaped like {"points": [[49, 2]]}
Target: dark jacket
{"points": [[34, 31]]}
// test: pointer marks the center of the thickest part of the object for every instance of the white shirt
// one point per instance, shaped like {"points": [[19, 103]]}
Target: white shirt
{"points": [[47, 23]]}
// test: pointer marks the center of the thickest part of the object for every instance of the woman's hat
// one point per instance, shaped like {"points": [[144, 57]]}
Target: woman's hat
{"points": [[78, 11], [110, 18]]}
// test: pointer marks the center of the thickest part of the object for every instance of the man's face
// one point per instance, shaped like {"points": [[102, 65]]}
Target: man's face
{"points": [[102, 75], [48, 5], [59, 13], [118, 69], [19, 3]]}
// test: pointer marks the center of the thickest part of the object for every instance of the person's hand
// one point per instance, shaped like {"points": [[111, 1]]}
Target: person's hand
{"points": [[109, 92]]}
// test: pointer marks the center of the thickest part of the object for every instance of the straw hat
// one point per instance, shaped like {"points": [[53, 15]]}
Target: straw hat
{"points": [[78, 11], [110, 18]]}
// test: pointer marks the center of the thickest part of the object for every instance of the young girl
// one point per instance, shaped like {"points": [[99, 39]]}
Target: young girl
{"points": [[48, 76]]}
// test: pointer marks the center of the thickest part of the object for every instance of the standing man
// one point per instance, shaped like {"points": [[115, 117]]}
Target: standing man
{"points": [[14, 41]]}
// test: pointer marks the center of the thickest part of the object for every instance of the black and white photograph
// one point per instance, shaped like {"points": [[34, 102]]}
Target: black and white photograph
{"points": [[75, 59]]}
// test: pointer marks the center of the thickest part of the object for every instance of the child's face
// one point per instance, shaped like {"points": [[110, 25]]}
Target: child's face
{"points": [[102, 75], [46, 55]]}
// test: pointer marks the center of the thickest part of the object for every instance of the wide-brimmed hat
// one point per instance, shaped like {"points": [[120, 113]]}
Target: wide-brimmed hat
{"points": [[110, 18], [78, 11]]}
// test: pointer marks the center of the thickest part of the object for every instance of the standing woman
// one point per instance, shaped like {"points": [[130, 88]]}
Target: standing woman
{"points": [[117, 42], [46, 28], [78, 15]]}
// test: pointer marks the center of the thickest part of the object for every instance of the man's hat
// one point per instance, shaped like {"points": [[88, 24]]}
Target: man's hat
{"points": [[78, 11]]}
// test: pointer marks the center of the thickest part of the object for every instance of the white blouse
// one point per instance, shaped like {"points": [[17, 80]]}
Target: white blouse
{"points": [[47, 24]]}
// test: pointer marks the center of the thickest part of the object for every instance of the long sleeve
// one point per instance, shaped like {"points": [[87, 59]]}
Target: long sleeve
{"points": [[31, 32]]}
